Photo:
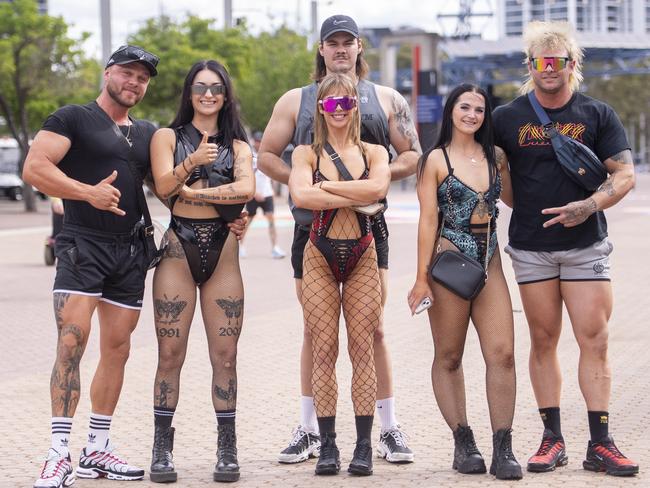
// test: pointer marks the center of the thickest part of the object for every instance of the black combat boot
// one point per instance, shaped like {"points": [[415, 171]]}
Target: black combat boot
{"points": [[162, 465], [227, 468], [467, 458], [504, 465], [361, 463], [329, 461]]}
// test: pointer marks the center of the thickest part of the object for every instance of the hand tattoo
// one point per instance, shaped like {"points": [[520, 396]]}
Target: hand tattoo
{"points": [[578, 212]]}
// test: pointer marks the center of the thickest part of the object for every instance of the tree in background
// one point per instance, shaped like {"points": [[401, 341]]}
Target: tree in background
{"points": [[40, 68], [263, 67]]}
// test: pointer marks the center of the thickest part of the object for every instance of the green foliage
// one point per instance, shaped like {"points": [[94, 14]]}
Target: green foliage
{"points": [[40, 68], [262, 67]]}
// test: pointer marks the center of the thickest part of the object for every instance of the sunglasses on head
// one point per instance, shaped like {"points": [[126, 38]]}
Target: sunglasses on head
{"points": [[216, 89], [346, 102], [138, 54], [556, 63]]}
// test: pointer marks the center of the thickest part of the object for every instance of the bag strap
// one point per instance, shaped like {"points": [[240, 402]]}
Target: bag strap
{"points": [[336, 159], [542, 115]]}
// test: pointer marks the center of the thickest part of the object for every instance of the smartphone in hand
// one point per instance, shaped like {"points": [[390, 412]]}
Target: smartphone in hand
{"points": [[424, 304]]}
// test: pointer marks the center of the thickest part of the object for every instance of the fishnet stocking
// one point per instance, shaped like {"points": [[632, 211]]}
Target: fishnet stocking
{"points": [[361, 300], [491, 312]]}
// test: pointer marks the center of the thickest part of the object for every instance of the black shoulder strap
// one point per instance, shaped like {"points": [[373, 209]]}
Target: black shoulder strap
{"points": [[336, 159], [449, 168], [541, 114]]}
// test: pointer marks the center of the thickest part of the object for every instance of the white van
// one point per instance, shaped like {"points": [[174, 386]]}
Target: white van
{"points": [[10, 183]]}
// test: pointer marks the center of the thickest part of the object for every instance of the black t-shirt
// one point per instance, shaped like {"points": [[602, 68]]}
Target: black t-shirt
{"points": [[95, 152], [539, 182]]}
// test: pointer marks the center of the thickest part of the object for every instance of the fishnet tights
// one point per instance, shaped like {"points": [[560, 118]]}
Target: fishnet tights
{"points": [[322, 300], [174, 286], [491, 313]]}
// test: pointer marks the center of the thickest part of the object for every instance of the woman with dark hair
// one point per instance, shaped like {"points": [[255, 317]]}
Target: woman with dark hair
{"points": [[336, 177], [459, 182], [202, 165]]}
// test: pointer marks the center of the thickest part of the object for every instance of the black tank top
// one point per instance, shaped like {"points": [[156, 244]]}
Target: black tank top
{"points": [[220, 172]]}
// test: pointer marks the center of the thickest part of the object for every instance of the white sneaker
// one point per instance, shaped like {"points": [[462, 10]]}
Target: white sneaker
{"points": [[57, 471], [242, 252], [393, 446], [277, 253], [303, 445], [106, 464]]}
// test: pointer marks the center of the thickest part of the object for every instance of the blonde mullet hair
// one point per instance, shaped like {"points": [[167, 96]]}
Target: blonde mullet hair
{"points": [[552, 36], [328, 85]]}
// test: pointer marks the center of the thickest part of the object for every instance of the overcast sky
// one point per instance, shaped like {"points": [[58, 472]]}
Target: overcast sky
{"points": [[128, 15]]}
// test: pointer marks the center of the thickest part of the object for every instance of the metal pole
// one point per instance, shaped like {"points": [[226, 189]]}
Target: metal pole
{"points": [[314, 22], [227, 13], [105, 23]]}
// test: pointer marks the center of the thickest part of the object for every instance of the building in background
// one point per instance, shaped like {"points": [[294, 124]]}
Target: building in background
{"points": [[588, 16]]}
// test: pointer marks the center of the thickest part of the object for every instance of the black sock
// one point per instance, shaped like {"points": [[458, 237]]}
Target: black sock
{"points": [[364, 426], [327, 425], [598, 425], [225, 417], [551, 418], [163, 416]]}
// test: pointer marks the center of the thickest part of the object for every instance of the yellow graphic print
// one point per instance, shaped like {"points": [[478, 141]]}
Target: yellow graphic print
{"points": [[533, 134]]}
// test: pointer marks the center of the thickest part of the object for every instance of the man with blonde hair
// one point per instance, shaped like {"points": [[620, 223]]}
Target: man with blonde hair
{"points": [[558, 237]]}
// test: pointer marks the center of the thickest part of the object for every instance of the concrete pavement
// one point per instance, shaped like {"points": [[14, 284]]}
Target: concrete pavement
{"points": [[268, 405]]}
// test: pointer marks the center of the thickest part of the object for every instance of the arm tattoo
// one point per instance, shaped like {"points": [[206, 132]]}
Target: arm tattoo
{"points": [[229, 395], [624, 157], [65, 381], [501, 156], [404, 122], [232, 307], [167, 311], [164, 389], [578, 212], [608, 187]]}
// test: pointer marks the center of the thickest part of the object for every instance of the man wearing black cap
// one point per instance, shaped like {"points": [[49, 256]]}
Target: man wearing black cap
{"points": [[82, 154], [385, 120]]}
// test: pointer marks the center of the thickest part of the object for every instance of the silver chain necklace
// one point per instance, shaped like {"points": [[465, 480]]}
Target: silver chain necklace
{"points": [[127, 137]]}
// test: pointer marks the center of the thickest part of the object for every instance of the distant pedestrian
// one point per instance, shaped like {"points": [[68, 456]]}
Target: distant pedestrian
{"points": [[263, 199]]}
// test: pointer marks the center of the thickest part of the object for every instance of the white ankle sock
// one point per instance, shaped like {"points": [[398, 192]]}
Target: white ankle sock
{"points": [[61, 428], [386, 411], [308, 419], [98, 432]]}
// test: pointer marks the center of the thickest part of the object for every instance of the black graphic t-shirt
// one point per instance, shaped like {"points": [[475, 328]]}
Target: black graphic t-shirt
{"points": [[539, 182], [96, 150]]}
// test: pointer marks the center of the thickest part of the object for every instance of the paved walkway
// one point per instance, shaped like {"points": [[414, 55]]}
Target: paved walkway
{"points": [[268, 404]]}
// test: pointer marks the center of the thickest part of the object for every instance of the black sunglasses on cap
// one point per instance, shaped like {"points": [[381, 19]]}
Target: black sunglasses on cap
{"points": [[134, 54]]}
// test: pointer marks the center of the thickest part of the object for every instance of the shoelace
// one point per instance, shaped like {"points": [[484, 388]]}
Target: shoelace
{"points": [[226, 442], [328, 448], [162, 444], [362, 450], [50, 468], [545, 447], [611, 450], [467, 439], [399, 436], [298, 434], [506, 447], [107, 455]]}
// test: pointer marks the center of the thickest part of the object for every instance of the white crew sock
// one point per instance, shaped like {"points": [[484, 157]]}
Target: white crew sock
{"points": [[98, 432], [61, 428], [386, 411], [308, 419]]}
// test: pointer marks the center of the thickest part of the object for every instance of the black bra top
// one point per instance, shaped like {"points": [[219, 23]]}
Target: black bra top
{"points": [[220, 172]]}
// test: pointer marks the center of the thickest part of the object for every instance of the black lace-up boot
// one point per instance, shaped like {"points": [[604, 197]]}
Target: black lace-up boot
{"points": [[361, 463], [467, 458], [504, 465], [227, 468], [329, 461], [162, 465]]}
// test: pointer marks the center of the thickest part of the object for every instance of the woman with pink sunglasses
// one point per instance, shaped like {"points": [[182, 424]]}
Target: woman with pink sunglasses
{"points": [[341, 179]]}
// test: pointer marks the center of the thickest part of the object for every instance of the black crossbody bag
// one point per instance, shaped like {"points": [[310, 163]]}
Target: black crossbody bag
{"points": [[456, 271], [577, 160]]}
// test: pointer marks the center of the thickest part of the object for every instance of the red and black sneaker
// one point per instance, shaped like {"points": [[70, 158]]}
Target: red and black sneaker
{"points": [[605, 456], [551, 453]]}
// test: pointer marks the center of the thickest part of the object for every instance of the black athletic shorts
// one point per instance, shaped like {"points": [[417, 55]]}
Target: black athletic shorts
{"points": [[266, 206], [301, 236], [108, 266]]}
